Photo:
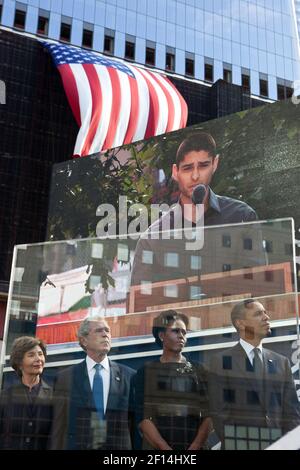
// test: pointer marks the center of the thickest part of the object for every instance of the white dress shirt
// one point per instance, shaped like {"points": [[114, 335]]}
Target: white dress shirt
{"points": [[105, 373], [249, 350]]}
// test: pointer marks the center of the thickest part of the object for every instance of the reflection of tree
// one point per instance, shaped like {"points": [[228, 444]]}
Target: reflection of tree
{"points": [[102, 269], [79, 189]]}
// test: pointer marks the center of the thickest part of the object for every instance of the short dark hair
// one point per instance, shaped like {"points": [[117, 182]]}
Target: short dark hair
{"points": [[238, 311], [196, 143], [165, 319], [21, 346]]}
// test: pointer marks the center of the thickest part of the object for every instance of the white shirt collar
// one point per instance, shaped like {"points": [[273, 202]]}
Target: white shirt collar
{"points": [[90, 363], [248, 348]]}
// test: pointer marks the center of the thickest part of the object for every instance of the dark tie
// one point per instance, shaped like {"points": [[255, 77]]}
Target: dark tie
{"points": [[258, 364], [259, 376], [98, 391]]}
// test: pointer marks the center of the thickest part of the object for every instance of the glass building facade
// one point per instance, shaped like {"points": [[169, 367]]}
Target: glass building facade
{"points": [[253, 43]]}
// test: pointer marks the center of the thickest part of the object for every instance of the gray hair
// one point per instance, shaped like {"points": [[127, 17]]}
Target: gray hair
{"points": [[85, 326]]}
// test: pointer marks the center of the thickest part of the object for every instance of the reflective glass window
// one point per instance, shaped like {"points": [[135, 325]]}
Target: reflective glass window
{"points": [[109, 41], [170, 60], [226, 241], [280, 92], [65, 31], [247, 244], [87, 35], [195, 262], [171, 291], [130, 48], [147, 257], [268, 245], [208, 72], [226, 267], [195, 292], [43, 23], [189, 66], [146, 287], [150, 55], [263, 87], [227, 74], [171, 260], [246, 81], [20, 18]]}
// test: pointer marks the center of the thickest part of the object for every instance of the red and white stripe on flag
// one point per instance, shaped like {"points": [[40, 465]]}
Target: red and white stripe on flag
{"points": [[116, 103]]}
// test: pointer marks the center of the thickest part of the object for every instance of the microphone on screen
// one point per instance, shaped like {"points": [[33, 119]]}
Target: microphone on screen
{"points": [[199, 194]]}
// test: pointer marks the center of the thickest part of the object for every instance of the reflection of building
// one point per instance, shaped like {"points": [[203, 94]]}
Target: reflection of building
{"points": [[203, 289], [248, 258], [60, 292], [206, 317], [189, 291]]}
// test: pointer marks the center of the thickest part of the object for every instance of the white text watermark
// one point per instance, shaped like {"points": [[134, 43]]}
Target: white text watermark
{"points": [[166, 222]]}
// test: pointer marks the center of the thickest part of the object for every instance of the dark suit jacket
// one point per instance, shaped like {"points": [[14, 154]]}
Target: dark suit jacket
{"points": [[24, 426], [238, 398], [76, 424]]}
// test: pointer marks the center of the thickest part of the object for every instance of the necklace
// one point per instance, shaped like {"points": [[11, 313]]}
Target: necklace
{"points": [[182, 361], [186, 369]]}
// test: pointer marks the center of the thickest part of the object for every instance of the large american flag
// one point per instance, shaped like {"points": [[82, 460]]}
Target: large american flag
{"points": [[115, 103]]}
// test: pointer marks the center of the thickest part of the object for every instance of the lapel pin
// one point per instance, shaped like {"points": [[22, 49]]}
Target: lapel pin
{"points": [[118, 378]]}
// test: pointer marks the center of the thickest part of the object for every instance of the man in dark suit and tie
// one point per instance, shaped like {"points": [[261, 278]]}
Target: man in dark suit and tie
{"points": [[253, 398], [92, 397]]}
